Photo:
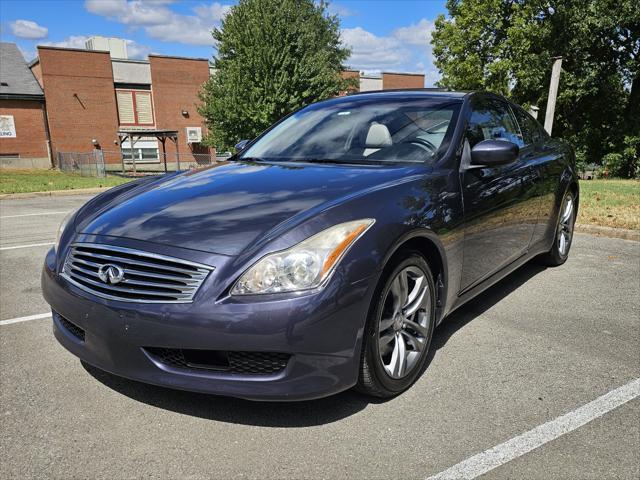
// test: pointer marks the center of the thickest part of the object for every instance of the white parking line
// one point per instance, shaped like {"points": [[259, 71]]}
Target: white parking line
{"points": [[27, 246], [25, 319], [32, 214], [516, 447]]}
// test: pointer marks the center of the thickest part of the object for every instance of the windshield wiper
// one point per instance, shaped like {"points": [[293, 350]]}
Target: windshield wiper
{"points": [[249, 159], [336, 160], [355, 161]]}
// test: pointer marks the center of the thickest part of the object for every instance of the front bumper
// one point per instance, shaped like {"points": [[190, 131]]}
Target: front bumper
{"points": [[322, 333]]}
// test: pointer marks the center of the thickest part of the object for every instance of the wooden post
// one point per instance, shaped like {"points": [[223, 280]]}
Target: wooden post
{"points": [[122, 140], [133, 159], [553, 94], [177, 152], [164, 152]]}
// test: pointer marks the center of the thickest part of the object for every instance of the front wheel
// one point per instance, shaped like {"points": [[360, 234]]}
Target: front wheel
{"points": [[399, 328], [564, 233]]}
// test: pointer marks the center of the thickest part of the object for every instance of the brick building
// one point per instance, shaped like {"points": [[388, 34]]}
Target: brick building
{"points": [[23, 131], [384, 81], [132, 112], [80, 98]]}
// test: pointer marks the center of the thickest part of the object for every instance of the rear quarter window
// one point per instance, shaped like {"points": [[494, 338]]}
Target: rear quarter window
{"points": [[532, 131]]}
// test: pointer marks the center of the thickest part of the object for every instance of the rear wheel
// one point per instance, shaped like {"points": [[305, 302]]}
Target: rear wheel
{"points": [[564, 233], [399, 329]]}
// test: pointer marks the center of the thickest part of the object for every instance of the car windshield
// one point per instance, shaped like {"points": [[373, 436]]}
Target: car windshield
{"points": [[361, 130]]}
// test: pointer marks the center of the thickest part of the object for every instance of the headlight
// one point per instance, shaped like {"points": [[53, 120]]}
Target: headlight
{"points": [[304, 266], [62, 227]]}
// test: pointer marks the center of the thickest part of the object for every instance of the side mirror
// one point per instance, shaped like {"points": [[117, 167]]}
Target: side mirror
{"points": [[241, 145], [490, 153]]}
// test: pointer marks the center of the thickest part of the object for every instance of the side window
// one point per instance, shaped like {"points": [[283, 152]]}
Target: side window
{"points": [[542, 133], [532, 132], [491, 120]]}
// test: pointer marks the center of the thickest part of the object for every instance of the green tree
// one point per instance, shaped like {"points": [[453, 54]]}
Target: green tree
{"points": [[507, 46], [273, 57]]}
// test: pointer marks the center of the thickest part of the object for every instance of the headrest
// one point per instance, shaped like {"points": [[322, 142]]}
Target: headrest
{"points": [[378, 136]]}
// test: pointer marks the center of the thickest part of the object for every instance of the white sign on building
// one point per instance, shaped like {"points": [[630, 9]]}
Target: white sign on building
{"points": [[194, 134], [7, 126]]}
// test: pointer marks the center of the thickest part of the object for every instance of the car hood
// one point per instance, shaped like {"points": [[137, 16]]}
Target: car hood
{"points": [[224, 208]]}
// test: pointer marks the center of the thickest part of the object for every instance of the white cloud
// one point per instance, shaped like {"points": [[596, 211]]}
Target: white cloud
{"points": [[183, 29], [136, 12], [28, 29], [74, 41], [369, 51], [340, 10], [418, 34], [135, 50], [215, 11], [406, 49], [160, 22]]}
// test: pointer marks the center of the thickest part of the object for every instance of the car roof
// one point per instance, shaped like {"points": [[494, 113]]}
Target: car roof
{"points": [[414, 92]]}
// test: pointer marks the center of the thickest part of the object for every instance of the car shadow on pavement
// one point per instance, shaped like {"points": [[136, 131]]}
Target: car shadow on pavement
{"points": [[483, 302], [235, 410], [304, 413]]}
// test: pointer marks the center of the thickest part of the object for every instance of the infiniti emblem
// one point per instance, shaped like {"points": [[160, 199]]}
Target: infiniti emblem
{"points": [[110, 273]]}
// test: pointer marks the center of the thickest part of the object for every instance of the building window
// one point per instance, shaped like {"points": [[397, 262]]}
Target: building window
{"points": [[135, 107], [145, 150]]}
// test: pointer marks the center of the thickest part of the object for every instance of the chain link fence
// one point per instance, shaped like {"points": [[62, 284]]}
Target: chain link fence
{"points": [[102, 162], [86, 164]]}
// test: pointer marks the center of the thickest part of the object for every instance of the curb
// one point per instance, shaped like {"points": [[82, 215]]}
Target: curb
{"points": [[54, 193], [609, 232]]}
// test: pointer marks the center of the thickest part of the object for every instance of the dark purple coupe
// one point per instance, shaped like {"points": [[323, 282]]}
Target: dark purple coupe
{"points": [[322, 256]]}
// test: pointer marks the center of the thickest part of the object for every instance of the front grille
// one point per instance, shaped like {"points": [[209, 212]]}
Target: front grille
{"points": [[257, 363], [134, 276], [72, 328], [247, 363]]}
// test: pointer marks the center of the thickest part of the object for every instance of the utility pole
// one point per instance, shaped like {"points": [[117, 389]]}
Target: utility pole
{"points": [[553, 94]]}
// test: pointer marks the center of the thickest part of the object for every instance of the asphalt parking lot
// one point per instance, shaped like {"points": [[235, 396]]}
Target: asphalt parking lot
{"points": [[537, 347]]}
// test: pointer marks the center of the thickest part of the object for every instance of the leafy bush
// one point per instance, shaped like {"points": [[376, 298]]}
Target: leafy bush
{"points": [[625, 164], [581, 160]]}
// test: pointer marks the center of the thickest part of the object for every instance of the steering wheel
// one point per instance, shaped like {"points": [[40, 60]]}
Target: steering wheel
{"points": [[422, 143]]}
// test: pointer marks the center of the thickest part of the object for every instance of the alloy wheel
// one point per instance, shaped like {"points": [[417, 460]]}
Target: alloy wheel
{"points": [[565, 226], [404, 323]]}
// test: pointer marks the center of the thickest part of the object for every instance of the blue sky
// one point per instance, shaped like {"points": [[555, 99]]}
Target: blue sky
{"points": [[384, 35]]}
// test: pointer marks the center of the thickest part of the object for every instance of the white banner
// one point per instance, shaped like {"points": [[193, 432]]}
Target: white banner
{"points": [[7, 126]]}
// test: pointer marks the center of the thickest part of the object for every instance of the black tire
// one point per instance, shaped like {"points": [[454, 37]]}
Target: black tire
{"points": [[559, 253], [374, 379]]}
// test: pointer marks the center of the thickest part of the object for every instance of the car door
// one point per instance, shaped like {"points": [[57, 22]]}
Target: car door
{"points": [[500, 204], [543, 158]]}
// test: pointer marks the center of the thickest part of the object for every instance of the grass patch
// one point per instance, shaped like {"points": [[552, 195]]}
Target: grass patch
{"points": [[24, 181], [610, 203]]}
